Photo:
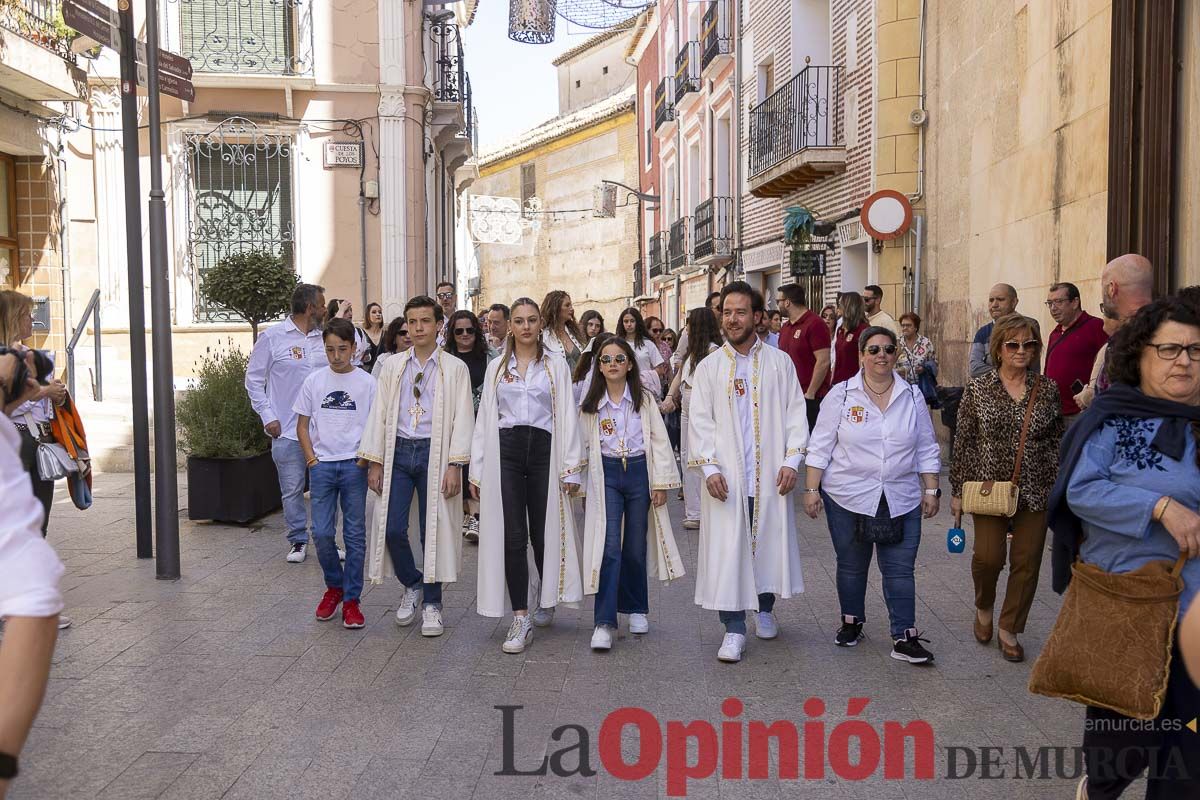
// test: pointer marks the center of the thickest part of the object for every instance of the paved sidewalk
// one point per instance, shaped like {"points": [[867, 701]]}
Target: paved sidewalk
{"points": [[224, 685]]}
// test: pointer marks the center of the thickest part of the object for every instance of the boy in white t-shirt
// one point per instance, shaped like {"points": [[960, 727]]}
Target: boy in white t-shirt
{"points": [[333, 406]]}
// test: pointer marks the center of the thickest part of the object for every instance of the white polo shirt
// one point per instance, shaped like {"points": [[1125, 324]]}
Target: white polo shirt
{"points": [[281, 359], [867, 453]]}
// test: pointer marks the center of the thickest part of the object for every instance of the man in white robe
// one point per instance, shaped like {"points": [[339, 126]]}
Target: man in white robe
{"points": [[747, 432], [417, 439]]}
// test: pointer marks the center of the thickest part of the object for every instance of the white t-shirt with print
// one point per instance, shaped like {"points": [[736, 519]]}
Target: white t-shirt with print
{"points": [[648, 357], [337, 406]]}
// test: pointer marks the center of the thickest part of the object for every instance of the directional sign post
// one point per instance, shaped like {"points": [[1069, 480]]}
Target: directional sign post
{"points": [[94, 20]]}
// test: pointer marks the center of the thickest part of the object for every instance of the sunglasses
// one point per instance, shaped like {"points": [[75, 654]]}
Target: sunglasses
{"points": [[1014, 346], [873, 349], [656, 331], [619, 359], [417, 385], [445, 295], [464, 331]]}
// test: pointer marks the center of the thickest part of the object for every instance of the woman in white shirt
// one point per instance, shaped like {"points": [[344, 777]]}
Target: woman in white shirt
{"points": [[703, 336], [560, 333], [630, 468], [873, 462], [525, 462], [632, 328]]}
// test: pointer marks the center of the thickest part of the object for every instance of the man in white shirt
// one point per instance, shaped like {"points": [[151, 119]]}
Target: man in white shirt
{"points": [[748, 552], [282, 358], [873, 299], [30, 601], [497, 325]]}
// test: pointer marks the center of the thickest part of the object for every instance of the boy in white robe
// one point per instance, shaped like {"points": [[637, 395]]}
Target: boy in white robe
{"points": [[748, 553]]}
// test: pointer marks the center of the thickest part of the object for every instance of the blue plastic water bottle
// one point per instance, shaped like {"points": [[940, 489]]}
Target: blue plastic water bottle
{"points": [[956, 539]]}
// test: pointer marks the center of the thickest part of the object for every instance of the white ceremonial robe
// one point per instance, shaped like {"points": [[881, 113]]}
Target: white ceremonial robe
{"points": [[662, 557], [738, 558], [453, 425], [560, 562]]}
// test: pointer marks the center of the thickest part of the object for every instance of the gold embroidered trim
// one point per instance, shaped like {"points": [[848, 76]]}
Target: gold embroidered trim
{"points": [[573, 470], [702, 462], [662, 487]]}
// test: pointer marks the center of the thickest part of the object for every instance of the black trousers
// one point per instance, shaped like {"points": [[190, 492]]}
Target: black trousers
{"points": [[524, 488], [42, 490], [1118, 749]]}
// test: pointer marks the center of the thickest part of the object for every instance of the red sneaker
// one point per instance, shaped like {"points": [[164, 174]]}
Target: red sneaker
{"points": [[351, 616], [329, 604]]}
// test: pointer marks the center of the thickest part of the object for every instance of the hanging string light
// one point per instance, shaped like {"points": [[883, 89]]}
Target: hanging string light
{"points": [[531, 21], [599, 14]]}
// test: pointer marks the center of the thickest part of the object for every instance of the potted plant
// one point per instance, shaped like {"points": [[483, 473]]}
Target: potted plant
{"points": [[798, 226], [231, 476], [254, 284]]}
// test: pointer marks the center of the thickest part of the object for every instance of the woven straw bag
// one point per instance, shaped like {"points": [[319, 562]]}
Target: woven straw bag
{"points": [[1111, 644], [999, 498]]}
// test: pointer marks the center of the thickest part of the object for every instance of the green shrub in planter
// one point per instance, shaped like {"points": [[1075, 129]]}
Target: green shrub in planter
{"points": [[231, 475]]}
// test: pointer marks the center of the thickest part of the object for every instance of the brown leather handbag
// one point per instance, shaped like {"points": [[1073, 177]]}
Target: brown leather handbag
{"points": [[1111, 644], [999, 498]]}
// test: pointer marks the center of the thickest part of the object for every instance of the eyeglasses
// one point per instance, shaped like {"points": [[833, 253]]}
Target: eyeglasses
{"points": [[1109, 312], [1057, 302], [1014, 346], [873, 349], [1169, 351], [618, 359], [445, 295], [464, 331]]}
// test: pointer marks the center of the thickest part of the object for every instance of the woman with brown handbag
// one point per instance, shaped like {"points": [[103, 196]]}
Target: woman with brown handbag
{"points": [[1005, 461], [1125, 517]]}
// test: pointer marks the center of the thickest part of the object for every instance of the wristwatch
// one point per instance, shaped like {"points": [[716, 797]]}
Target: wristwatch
{"points": [[934, 492], [8, 766]]}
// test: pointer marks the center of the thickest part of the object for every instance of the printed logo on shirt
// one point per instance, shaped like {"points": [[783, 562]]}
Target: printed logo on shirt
{"points": [[508, 377], [796, 334], [298, 353], [857, 415], [608, 427], [339, 401], [739, 386]]}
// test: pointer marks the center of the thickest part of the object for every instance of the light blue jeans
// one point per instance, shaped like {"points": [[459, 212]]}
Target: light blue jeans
{"points": [[332, 482], [291, 466]]}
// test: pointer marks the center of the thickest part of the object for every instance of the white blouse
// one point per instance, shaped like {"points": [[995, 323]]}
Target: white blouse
{"points": [[648, 358], [528, 400]]}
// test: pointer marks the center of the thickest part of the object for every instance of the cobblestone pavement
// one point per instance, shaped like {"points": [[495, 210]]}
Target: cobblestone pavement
{"points": [[223, 684]]}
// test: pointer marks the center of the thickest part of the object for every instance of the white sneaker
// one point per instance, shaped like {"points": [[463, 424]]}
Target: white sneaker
{"points": [[407, 611], [732, 647], [471, 528], [602, 638], [297, 553], [341, 554], [542, 616], [638, 623], [431, 621], [520, 634], [765, 626], [691, 524], [64, 622]]}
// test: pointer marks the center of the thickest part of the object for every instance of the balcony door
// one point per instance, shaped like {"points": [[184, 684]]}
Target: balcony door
{"points": [[255, 37], [810, 34]]}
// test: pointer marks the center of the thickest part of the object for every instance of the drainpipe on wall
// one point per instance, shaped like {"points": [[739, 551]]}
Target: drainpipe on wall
{"points": [[60, 180], [362, 230], [737, 107], [922, 117]]}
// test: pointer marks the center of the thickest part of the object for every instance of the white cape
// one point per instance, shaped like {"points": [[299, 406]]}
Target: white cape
{"points": [[662, 556], [560, 562], [453, 425], [739, 558]]}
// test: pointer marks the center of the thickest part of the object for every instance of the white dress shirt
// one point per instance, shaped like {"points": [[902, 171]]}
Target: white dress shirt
{"points": [[422, 428], [620, 427], [29, 568], [743, 391], [528, 400], [281, 359], [648, 358], [866, 453]]}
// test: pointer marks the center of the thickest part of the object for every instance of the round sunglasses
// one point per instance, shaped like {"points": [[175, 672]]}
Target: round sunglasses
{"points": [[617, 359]]}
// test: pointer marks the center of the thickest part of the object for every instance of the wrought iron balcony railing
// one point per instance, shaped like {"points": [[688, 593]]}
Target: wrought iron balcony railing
{"points": [[803, 113], [664, 102], [713, 231], [715, 38], [35, 20], [658, 254], [687, 71], [242, 37], [639, 279], [680, 248], [449, 78]]}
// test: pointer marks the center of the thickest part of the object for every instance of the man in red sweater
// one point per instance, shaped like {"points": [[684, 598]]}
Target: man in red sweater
{"points": [[1073, 345]]}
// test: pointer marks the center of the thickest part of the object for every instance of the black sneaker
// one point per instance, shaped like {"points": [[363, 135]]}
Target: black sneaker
{"points": [[850, 633], [909, 648]]}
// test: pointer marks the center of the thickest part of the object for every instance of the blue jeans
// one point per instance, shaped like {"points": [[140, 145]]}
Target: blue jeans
{"points": [[623, 569], [329, 482], [735, 621], [410, 473], [895, 564], [291, 466]]}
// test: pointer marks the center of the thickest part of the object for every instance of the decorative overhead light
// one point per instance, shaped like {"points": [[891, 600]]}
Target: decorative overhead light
{"points": [[599, 14], [531, 21]]}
